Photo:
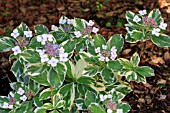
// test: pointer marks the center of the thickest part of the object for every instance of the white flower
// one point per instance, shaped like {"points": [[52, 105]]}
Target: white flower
{"points": [[61, 50], [109, 111], [48, 37], [119, 111], [62, 21], [44, 58], [16, 50], [5, 105], [20, 91], [23, 98], [63, 57], [102, 97], [99, 55], [70, 21], [142, 12], [41, 52], [28, 33], [77, 33], [41, 39], [104, 47], [15, 33], [113, 49], [97, 50], [136, 19], [101, 58], [163, 25], [95, 30], [53, 27], [10, 106], [109, 96], [113, 56], [53, 62], [156, 31], [91, 23], [107, 59]]}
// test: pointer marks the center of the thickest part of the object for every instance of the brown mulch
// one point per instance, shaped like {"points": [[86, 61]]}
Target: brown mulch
{"points": [[153, 97]]}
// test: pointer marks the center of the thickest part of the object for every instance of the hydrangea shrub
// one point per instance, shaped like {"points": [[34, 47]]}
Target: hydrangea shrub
{"points": [[70, 69], [142, 27]]}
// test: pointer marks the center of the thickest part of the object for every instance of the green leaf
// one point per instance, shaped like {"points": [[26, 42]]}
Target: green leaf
{"points": [[60, 104], [135, 59], [70, 69], [34, 43], [129, 16], [162, 41], [126, 64], [91, 70], [96, 108], [17, 68], [115, 65], [90, 97], [79, 68], [54, 111], [45, 94], [130, 39], [40, 110], [81, 45], [80, 24], [145, 71], [48, 106], [123, 88], [23, 27], [37, 101], [68, 93], [137, 35], [91, 49], [60, 35], [25, 106], [80, 104], [86, 80], [99, 40], [38, 73], [69, 46], [31, 56], [124, 106], [107, 75], [55, 79], [41, 29], [117, 41], [6, 44], [156, 14], [134, 76]]}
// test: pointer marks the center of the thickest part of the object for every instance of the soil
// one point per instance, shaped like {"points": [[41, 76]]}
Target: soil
{"points": [[109, 16]]}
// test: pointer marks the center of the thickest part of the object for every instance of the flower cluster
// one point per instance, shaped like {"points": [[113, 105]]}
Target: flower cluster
{"points": [[22, 42], [149, 21], [86, 30], [156, 31], [21, 92], [106, 55], [53, 51], [13, 100], [45, 38], [16, 33], [110, 104], [67, 21]]}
